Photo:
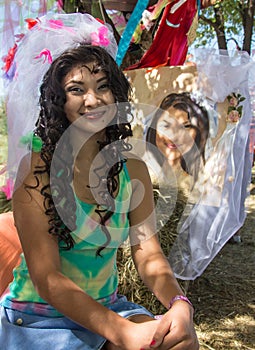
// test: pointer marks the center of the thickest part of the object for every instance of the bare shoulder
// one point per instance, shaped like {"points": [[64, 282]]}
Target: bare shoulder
{"points": [[30, 166], [31, 178], [139, 176], [137, 168]]}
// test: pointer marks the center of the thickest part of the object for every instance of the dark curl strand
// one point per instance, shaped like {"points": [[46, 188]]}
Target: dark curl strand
{"points": [[59, 201]]}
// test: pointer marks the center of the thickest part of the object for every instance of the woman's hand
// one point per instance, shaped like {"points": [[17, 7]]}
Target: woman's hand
{"points": [[176, 330], [135, 336]]}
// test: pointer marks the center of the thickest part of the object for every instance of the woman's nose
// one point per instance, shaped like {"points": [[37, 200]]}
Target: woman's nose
{"points": [[176, 128], [91, 99]]}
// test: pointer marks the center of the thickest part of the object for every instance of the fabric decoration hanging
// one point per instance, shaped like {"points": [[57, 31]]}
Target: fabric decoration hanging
{"points": [[129, 30], [220, 211], [170, 44]]}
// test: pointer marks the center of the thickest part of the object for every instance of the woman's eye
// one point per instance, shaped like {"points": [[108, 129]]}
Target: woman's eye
{"points": [[74, 89], [104, 87], [187, 126], [164, 125]]}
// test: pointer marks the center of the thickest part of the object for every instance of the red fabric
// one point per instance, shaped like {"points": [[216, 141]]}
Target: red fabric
{"points": [[10, 249], [169, 47]]}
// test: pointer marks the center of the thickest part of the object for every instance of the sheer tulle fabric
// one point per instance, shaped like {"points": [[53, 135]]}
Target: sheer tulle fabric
{"points": [[220, 211]]}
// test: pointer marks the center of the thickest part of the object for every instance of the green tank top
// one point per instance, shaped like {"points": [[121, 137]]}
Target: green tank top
{"points": [[96, 275]]}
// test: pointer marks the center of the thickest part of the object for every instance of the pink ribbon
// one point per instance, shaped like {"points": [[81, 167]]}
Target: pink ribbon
{"points": [[47, 55]]}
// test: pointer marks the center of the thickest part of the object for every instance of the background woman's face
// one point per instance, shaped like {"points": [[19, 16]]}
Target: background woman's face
{"points": [[175, 134]]}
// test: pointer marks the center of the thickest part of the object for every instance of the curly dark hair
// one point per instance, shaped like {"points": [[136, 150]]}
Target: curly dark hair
{"points": [[190, 161], [59, 201]]}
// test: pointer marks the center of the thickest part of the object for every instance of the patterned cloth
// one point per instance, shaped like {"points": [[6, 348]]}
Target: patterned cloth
{"points": [[170, 44]]}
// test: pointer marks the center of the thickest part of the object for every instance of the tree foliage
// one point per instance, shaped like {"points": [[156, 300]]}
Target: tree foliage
{"points": [[228, 20]]}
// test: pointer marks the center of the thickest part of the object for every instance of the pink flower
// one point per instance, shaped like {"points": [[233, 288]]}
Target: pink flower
{"points": [[233, 116], [101, 37], [233, 102], [8, 188], [235, 109]]}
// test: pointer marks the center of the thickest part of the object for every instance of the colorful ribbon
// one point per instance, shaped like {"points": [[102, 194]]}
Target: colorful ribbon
{"points": [[32, 140], [129, 30], [47, 55]]}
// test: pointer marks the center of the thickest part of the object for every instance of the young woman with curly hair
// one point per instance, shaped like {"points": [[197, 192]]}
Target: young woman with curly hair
{"points": [[81, 199]]}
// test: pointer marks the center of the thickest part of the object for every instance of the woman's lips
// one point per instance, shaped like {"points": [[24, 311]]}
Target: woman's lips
{"points": [[172, 146], [93, 115]]}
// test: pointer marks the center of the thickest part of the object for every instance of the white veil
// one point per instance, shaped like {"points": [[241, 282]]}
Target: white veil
{"points": [[219, 213]]}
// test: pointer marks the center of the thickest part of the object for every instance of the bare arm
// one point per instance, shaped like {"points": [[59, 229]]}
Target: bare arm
{"points": [[148, 256], [176, 326]]}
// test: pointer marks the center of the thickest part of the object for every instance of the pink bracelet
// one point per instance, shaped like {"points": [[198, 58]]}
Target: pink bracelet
{"points": [[179, 297]]}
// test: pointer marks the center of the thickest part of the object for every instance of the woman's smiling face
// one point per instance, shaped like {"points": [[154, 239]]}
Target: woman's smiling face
{"points": [[175, 134], [89, 99]]}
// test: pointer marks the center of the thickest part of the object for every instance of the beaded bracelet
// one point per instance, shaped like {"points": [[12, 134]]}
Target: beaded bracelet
{"points": [[179, 297]]}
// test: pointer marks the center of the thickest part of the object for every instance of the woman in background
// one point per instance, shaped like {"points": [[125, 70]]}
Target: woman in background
{"points": [[177, 136]]}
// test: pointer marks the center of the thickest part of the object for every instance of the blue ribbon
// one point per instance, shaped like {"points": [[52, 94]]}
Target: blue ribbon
{"points": [[129, 30], [198, 6]]}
